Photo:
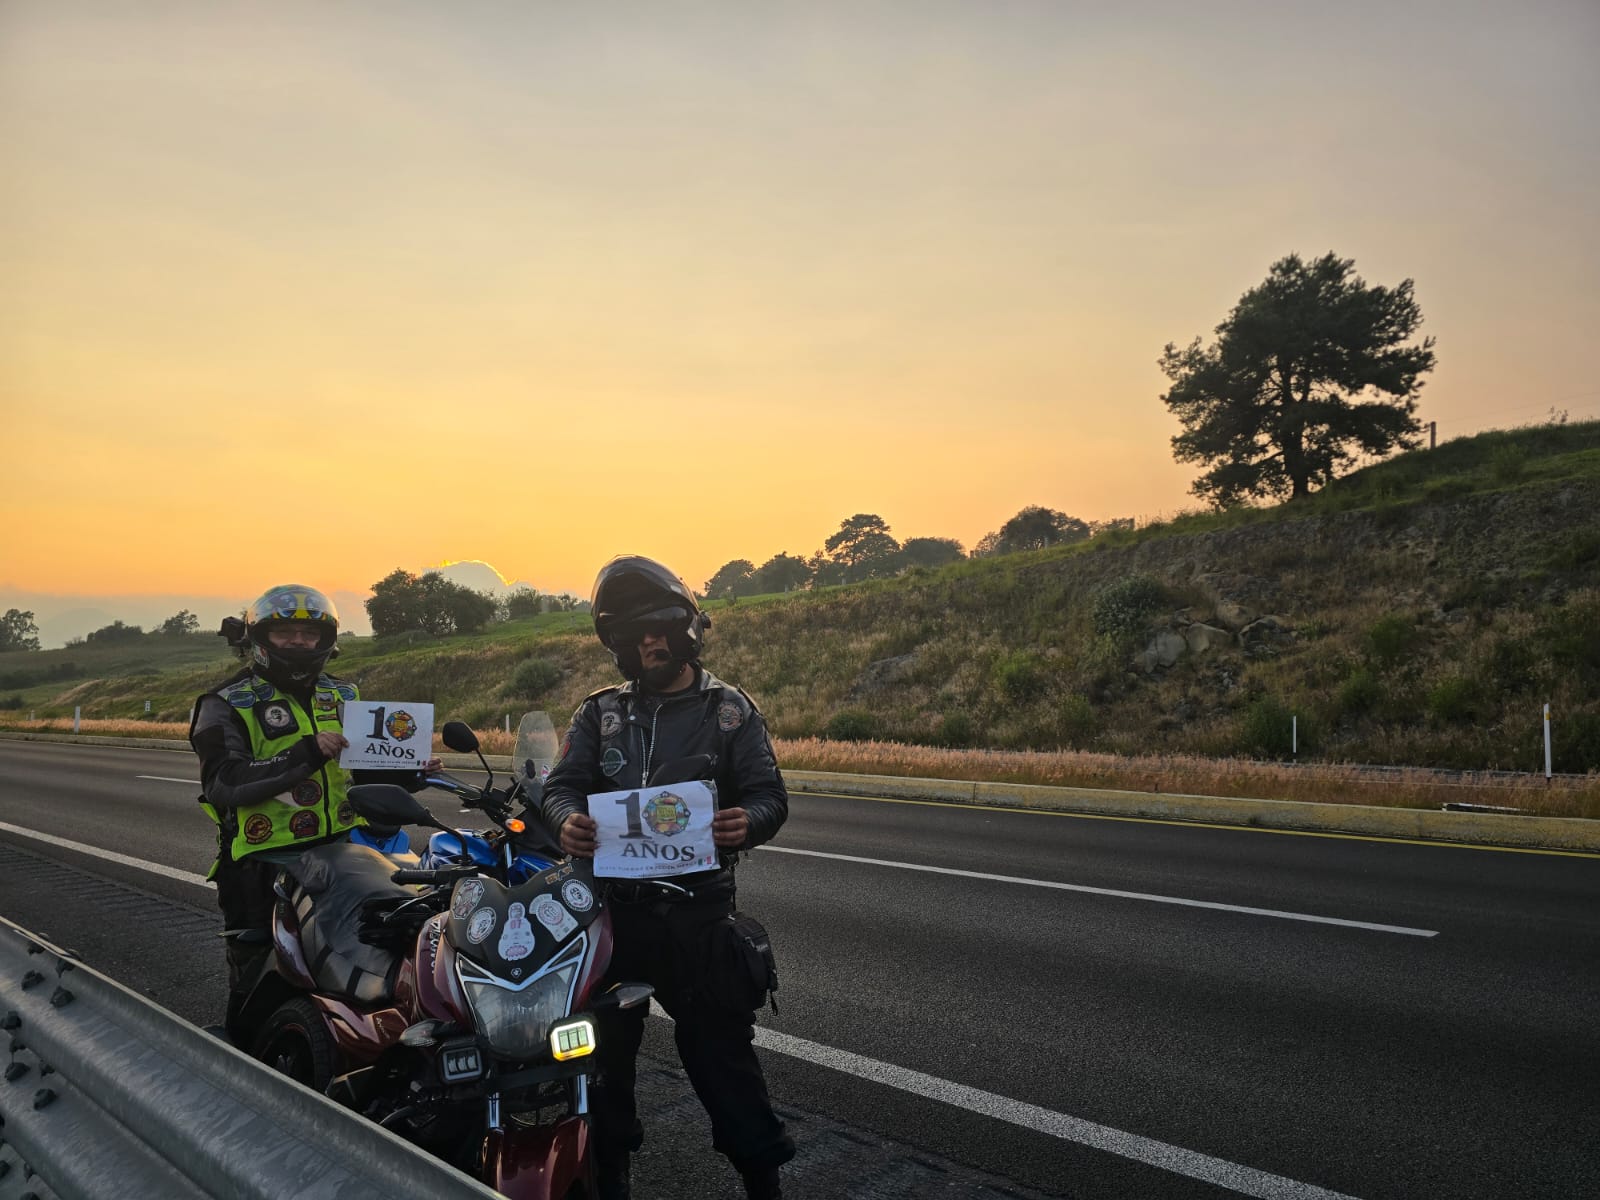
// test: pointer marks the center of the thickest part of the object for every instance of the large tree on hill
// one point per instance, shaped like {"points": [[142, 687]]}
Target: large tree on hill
{"points": [[428, 603], [1310, 367], [862, 549], [930, 552], [18, 631]]}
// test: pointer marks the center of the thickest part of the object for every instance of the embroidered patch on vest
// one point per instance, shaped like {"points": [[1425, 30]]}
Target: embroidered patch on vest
{"points": [[303, 824], [347, 813], [241, 697], [276, 719], [346, 692], [257, 829], [729, 717], [306, 793]]}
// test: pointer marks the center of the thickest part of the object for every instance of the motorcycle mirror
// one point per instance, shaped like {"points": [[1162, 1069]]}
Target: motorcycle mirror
{"points": [[682, 770], [624, 995], [390, 804], [459, 737]]}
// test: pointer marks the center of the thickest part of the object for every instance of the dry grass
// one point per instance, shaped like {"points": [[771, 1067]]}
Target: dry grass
{"points": [[1170, 774]]}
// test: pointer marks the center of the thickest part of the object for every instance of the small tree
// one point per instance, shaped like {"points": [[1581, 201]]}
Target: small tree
{"points": [[116, 632], [733, 579], [18, 631], [523, 602], [396, 604], [181, 622], [931, 552], [1309, 364], [781, 573]]}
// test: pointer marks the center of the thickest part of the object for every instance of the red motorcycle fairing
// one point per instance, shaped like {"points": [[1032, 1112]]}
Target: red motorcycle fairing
{"points": [[432, 989], [538, 1164], [595, 965], [361, 1036], [292, 963]]}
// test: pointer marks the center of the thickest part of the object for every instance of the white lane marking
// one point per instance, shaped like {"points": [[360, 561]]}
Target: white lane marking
{"points": [[1097, 891], [1247, 1181], [168, 779], [109, 855]]}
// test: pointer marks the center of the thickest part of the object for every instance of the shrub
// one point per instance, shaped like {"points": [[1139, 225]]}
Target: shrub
{"points": [[533, 678], [851, 725], [1078, 721], [1120, 608], [956, 731], [1020, 675], [1390, 640], [1359, 694], [1454, 699], [1268, 728], [11, 702], [1508, 464]]}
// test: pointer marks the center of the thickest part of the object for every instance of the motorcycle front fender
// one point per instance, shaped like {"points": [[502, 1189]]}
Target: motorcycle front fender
{"points": [[539, 1164]]}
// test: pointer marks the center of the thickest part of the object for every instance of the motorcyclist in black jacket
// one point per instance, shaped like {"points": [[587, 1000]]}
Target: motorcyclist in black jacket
{"points": [[677, 939]]}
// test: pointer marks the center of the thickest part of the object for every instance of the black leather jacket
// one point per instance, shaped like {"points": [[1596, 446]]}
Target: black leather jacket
{"points": [[619, 733]]}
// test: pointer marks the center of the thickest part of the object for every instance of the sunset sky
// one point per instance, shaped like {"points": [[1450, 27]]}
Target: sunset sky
{"points": [[316, 290]]}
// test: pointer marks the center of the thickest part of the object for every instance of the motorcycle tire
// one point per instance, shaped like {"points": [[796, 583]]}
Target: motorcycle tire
{"points": [[295, 1041]]}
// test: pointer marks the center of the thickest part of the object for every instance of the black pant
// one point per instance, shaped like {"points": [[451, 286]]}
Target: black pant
{"points": [[244, 893], [669, 946]]}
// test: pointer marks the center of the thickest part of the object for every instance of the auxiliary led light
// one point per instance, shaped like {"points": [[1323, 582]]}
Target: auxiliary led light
{"points": [[572, 1039], [517, 825]]}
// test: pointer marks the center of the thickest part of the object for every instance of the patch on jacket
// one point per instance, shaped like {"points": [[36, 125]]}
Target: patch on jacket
{"points": [[257, 829], [729, 717], [610, 724], [612, 762], [240, 697], [303, 824], [276, 719]]}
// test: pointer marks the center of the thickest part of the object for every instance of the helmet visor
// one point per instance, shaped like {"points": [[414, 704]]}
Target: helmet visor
{"points": [[630, 631]]}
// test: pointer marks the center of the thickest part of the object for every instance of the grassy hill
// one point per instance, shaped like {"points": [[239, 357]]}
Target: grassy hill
{"points": [[1419, 611]]}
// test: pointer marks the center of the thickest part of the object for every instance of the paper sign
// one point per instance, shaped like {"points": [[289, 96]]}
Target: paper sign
{"points": [[654, 832], [387, 733]]}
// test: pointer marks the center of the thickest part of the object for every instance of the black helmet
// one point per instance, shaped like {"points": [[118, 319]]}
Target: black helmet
{"points": [[631, 595], [291, 667]]}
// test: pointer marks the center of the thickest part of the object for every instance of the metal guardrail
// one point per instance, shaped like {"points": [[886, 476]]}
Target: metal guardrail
{"points": [[107, 1095]]}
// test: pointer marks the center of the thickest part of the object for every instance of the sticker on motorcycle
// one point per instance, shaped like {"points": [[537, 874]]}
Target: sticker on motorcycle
{"points": [[578, 897], [468, 893], [258, 829], [516, 939], [610, 724], [553, 917], [481, 925]]}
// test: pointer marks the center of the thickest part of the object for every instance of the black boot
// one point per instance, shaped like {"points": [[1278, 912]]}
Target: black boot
{"points": [[611, 1178], [761, 1183]]}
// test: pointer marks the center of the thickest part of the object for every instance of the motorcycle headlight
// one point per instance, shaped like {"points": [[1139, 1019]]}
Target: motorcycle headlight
{"points": [[514, 1019]]}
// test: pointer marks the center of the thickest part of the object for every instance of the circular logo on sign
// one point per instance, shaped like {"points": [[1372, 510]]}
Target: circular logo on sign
{"points": [[400, 725], [257, 829], [307, 793], [609, 724], [666, 814], [303, 824], [729, 717], [481, 925], [612, 762], [578, 897]]}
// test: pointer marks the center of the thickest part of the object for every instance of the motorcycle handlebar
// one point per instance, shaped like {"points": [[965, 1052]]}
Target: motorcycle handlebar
{"points": [[439, 875]]}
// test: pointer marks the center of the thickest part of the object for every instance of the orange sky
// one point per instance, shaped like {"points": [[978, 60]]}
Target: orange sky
{"points": [[314, 291]]}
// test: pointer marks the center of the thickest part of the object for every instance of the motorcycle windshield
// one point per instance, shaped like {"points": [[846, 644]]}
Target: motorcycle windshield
{"points": [[536, 748]]}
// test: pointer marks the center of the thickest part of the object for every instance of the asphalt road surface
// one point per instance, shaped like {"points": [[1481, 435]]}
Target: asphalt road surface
{"points": [[985, 1003]]}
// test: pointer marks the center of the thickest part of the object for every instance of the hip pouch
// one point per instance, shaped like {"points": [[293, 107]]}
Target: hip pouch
{"points": [[754, 966]]}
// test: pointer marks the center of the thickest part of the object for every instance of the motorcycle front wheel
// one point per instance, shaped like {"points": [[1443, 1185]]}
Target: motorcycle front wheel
{"points": [[295, 1041]]}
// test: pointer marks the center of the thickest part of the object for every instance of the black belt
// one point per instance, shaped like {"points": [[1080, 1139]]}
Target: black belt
{"points": [[653, 891]]}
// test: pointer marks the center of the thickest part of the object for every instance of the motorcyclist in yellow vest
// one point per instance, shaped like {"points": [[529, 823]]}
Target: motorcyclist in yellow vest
{"points": [[268, 739]]}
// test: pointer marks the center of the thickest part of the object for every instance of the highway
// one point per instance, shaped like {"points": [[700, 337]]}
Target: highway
{"points": [[988, 1003]]}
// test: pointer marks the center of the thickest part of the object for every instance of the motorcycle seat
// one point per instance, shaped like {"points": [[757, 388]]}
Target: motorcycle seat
{"points": [[332, 882]]}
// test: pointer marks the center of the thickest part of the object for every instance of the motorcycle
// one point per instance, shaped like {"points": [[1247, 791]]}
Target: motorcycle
{"points": [[453, 1001]]}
